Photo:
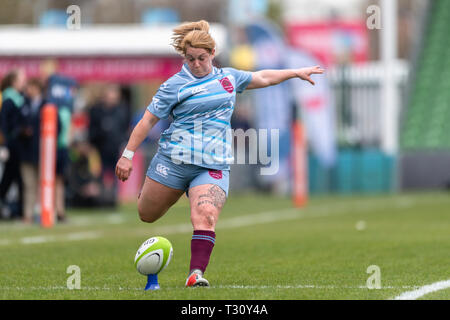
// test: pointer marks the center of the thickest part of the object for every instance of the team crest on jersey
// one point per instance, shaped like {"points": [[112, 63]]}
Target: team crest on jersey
{"points": [[226, 84], [216, 174]]}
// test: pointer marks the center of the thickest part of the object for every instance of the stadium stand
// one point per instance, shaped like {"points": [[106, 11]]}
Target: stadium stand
{"points": [[427, 114]]}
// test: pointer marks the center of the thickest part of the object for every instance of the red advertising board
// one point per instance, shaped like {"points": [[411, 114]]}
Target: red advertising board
{"points": [[331, 42], [118, 69]]}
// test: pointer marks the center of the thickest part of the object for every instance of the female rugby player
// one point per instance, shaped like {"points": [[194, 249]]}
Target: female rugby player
{"points": [[200, 98]]}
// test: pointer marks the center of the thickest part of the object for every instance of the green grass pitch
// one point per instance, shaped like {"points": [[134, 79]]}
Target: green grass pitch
{"points": [[265, 249]]}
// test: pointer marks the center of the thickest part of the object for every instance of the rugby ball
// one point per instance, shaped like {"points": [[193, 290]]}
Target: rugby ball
{"points": [[153, 255]]}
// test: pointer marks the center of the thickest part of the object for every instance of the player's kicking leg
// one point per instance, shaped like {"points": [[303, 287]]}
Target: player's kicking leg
{"points": [[155, 199], [206, 202]]}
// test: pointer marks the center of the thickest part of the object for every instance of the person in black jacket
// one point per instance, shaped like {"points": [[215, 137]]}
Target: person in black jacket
{"points": [[10, 115], [29, 146], [108, 129]]}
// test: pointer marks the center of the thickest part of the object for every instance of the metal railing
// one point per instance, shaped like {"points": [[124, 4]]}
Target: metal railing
{"points": [[357, 91]]}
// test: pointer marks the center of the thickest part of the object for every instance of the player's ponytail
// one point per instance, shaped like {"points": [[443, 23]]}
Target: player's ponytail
{"points": [[194, 34]]}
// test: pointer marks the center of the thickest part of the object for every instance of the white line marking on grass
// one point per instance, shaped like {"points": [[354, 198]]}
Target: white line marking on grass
{"points": [[82, 236], [415, 294], [74, 236], [101, 219], [115, 219], [263, 218], [5, 242], [242, 221], [231, 223], [243, 287], [245, 221], [36, 239], [320, 211], [305, 286]]}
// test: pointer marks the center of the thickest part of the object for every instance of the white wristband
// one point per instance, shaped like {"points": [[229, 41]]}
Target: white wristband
{"points": [[128, 154]]}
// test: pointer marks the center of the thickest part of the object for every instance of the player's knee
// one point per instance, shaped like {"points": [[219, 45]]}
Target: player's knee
{"points": [[205, 217], [147, 218], [148, 215]]}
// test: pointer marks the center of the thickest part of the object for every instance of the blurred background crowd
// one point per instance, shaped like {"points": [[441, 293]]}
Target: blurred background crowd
{"points": [[102, 63]]}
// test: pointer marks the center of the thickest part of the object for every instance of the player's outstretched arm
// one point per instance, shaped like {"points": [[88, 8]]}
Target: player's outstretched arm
{"points": [[139, 133], [266, 78]]}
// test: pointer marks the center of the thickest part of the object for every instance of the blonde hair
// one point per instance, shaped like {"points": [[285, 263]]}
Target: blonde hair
{"points": [[194, 34]]}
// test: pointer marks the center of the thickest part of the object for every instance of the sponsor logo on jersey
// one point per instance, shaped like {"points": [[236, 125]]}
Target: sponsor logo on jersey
{"points": [[199, 89], [226, 84], [155, 103]]}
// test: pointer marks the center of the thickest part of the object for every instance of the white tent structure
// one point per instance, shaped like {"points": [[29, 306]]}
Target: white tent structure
{"points": [[94, 40], [122, 53]]}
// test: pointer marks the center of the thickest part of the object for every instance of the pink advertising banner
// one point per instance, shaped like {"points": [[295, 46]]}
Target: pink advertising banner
{"points": [[119, 69], [331, 42]]}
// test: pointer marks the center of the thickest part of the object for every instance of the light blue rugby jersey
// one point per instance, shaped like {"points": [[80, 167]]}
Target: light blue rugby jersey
{"points": [[201, 108]]}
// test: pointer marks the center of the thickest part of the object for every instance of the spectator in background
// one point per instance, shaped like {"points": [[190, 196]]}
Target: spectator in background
{"points": [[29, 146], [62, 161], [85, 184], [108, 131], [10, 115], [3, 149]]}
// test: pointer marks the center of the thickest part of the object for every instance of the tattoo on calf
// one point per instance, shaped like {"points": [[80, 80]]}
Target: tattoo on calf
{"points": [[215, 196]]}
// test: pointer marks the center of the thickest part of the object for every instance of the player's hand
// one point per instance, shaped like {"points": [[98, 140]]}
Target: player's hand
{"points": [[305, 73], [123, 168]]}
